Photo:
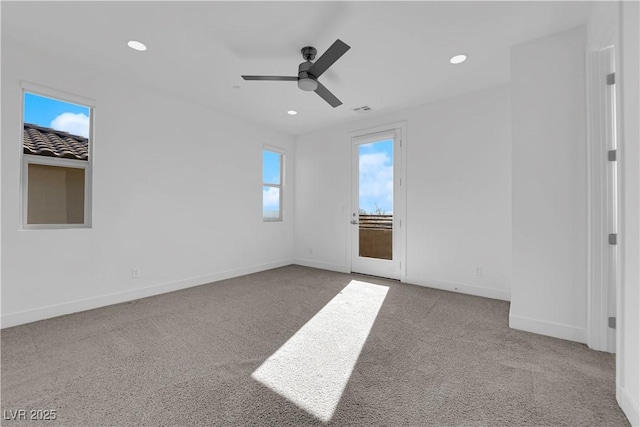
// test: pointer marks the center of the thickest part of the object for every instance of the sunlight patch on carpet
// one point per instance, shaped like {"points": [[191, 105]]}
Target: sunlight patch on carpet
{"points": [[313, 367]]}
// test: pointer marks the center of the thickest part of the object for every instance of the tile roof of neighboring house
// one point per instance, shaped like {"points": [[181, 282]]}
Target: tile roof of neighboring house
{"points": [[43, 141]]}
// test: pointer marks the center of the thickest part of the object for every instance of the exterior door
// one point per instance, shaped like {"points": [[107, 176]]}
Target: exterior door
{"points": [[375, 185]]}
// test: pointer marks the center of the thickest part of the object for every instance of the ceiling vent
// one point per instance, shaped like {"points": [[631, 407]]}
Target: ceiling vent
{"points": [[363, 109]]}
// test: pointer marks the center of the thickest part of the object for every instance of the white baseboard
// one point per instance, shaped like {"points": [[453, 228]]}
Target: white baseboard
{"points": [[14, 319], [447, 286], [630, 408], [321, 265], [551, 329], [478, 291]]}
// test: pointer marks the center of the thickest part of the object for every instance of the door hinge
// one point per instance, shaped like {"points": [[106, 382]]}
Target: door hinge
{"points": [[400, 223], [613, 239], [611, 79], [612, 322], [612, 155], [400, 142]]}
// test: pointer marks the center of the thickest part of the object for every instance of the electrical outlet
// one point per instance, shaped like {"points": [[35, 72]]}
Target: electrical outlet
{"points": [[135, 272], [478, 271]]}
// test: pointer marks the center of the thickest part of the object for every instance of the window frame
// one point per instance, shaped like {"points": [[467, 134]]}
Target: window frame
{"points": [[282, 153], [27, 159]]}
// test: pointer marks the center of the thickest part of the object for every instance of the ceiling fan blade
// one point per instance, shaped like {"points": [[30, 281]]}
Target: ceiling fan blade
{"points": [[327, 96], [337, 49], [274, 78]]}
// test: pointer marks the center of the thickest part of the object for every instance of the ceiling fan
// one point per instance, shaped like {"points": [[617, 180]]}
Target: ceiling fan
{"points": [[308, 72]]}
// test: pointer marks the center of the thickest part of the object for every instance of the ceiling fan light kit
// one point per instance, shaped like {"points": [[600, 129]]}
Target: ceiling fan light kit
{"points": [[305, 80], [308, 72]]}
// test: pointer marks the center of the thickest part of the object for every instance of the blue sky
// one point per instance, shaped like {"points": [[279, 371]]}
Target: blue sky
{"points": [[270, 175], [271, 167], [376, 176], [60, 115]]}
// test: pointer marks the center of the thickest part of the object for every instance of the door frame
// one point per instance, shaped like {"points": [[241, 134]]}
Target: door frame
{"points": [[603, 217], [401, 216]]}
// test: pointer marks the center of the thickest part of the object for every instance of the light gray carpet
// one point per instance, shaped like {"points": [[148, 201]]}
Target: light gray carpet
{"points": [[186, 358]]}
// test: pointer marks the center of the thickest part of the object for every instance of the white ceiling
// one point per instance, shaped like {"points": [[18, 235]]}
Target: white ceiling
{"points": [[399, 53]]}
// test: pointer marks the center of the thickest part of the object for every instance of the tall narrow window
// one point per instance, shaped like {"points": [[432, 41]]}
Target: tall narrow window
{"points": [[56, 177], [272, 174]]}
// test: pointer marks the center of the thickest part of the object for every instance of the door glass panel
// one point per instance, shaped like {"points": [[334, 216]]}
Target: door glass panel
{"points": [[376, 199]]}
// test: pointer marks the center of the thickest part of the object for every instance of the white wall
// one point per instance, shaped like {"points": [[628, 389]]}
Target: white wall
{"points": [[629, 385], [549, 287], [603, 25], [177, 191], [458, 193]]}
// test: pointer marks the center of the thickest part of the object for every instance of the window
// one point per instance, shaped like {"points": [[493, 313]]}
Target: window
{"points": [[56, 159], [272, 162]]}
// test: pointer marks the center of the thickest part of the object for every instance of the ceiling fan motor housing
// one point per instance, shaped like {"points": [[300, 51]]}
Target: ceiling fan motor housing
{"points": [[308, 53], [306, 81]]}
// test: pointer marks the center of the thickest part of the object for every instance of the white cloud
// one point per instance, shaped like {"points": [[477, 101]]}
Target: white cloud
{"points": [[75, 124], [376, 181], [270, 198]]}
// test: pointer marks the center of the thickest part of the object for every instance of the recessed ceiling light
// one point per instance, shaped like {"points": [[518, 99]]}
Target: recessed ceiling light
{"points": [[133, 44], [458, 59], [292, 112], [236, 87]]}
